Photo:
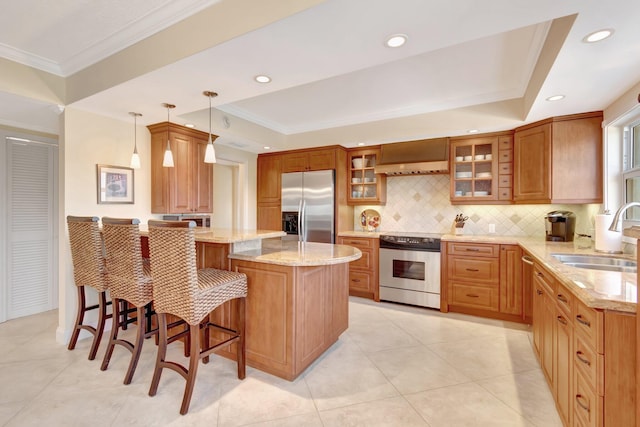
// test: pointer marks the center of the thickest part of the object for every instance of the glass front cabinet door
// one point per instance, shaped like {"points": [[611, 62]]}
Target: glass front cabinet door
{"points": [[474, 170], [365, 186]]}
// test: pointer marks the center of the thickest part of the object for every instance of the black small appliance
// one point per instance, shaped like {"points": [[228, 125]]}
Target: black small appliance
{"points": [[560, 226]]}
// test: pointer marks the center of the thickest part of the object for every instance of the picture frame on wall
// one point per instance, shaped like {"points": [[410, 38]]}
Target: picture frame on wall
{"points": [[115, 184]]}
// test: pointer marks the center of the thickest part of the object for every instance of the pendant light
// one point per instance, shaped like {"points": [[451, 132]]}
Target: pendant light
{"points": [[210, 152], [167, 162], [135, 158]]}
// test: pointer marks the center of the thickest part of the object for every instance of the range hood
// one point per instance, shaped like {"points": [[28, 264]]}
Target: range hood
{"points": [[425, 156]]}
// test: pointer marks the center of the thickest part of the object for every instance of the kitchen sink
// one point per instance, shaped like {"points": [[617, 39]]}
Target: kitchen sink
{"points": [[598, 262]]}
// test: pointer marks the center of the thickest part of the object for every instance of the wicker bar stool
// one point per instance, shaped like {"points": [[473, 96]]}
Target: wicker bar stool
{"points": [[88, 270], [182, 290], [129, 279]]}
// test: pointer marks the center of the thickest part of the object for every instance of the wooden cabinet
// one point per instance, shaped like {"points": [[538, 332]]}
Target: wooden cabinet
{"points": [[587, 355], [563, 355], [363, 273], [365, 186], [188, 186], [483, 279], [481, 171], [511, 283], [309, 160], [559, 160], [269, 176], [269, 183], [294, 314]]}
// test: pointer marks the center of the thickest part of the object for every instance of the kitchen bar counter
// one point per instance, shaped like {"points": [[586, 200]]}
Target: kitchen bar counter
{"points": [[293, 253], [608, 290]]}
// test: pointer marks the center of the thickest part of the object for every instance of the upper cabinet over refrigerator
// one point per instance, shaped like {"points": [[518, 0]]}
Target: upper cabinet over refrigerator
{"points": [[308, 200]]}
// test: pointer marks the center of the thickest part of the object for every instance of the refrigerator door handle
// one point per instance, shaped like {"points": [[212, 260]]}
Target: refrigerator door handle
{"points": [[303, 220], [300, 222]]}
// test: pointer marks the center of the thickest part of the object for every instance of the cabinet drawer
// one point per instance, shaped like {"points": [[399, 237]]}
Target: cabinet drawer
{"points": [[486, 270], [505, 143], [587, 405], [505, 193], [482, 297], [589, 363], [589, 322], [359, 243], [505, 168], [359, 280], [471, 250], [505, 156], [505, 181], [364, 262], [564, 299], [545, 278]]}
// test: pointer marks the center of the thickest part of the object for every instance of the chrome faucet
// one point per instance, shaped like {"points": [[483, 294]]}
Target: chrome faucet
{"points": [[615, 225]]}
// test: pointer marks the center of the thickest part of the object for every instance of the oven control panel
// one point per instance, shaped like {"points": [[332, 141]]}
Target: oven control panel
{"points": [[419, 243]]}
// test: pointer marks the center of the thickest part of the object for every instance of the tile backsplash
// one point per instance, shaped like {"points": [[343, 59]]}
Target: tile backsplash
{"points": [[420, 203]]}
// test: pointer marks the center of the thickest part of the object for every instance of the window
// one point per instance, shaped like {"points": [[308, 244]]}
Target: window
{"points": [[631, 174]]}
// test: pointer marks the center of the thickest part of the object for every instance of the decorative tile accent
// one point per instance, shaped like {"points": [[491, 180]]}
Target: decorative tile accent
{"points": [[420, 203]]}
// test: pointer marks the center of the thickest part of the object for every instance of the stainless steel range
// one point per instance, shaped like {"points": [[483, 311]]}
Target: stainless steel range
{"points": [[410, 268]]}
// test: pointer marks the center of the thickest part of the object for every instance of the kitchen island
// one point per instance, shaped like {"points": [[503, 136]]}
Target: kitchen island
{"points": [[297, 303]]}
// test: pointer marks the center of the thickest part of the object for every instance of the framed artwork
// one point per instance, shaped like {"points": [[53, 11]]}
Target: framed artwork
{"points": [[115, 184]]}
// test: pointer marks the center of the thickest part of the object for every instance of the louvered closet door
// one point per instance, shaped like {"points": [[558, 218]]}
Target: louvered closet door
{"points": [[30, 269]]}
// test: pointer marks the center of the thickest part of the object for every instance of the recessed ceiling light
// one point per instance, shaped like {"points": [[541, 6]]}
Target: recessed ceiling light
{"points": [[189, 125], [555, 98], [472, 131], [596, 36], [262, 78], [396, 40], [266, 147], [361, 144]]}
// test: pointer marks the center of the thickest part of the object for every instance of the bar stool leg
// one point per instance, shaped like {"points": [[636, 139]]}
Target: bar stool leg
{"points": [[162, 352], [137, 346], [194, 361], [117, 323], [82, 307], [240, 347], [102, 317]]}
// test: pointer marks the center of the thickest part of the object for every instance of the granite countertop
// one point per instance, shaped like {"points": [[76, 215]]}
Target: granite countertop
{"points": [[293, 253], [222, 235], [369, 234], [602, 289], [225, 235]]}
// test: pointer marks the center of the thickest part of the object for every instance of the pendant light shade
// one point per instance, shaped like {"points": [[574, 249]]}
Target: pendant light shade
{"points": [[135, 158], [167, 161], [210, 152]]}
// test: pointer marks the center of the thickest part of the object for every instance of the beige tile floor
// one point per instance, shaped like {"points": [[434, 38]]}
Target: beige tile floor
{"points": [[394, 366]]}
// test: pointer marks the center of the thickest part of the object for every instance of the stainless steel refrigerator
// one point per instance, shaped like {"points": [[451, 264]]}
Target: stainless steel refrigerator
{"points": [[308, 200]]}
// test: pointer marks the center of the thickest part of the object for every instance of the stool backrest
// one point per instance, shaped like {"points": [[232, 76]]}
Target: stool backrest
{"points": [[172, 248], [86, 252], [123, 260]]}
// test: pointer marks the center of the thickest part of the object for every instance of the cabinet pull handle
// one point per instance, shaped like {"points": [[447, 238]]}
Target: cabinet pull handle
{"points": [[562, 298], [354, 243], [538, 291], [582, 359], [355, 280], [472, 269], [473, 296], [562, 320], [540, 274], [584, 322], [579, 399], [472, 249], [527, 260]]}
